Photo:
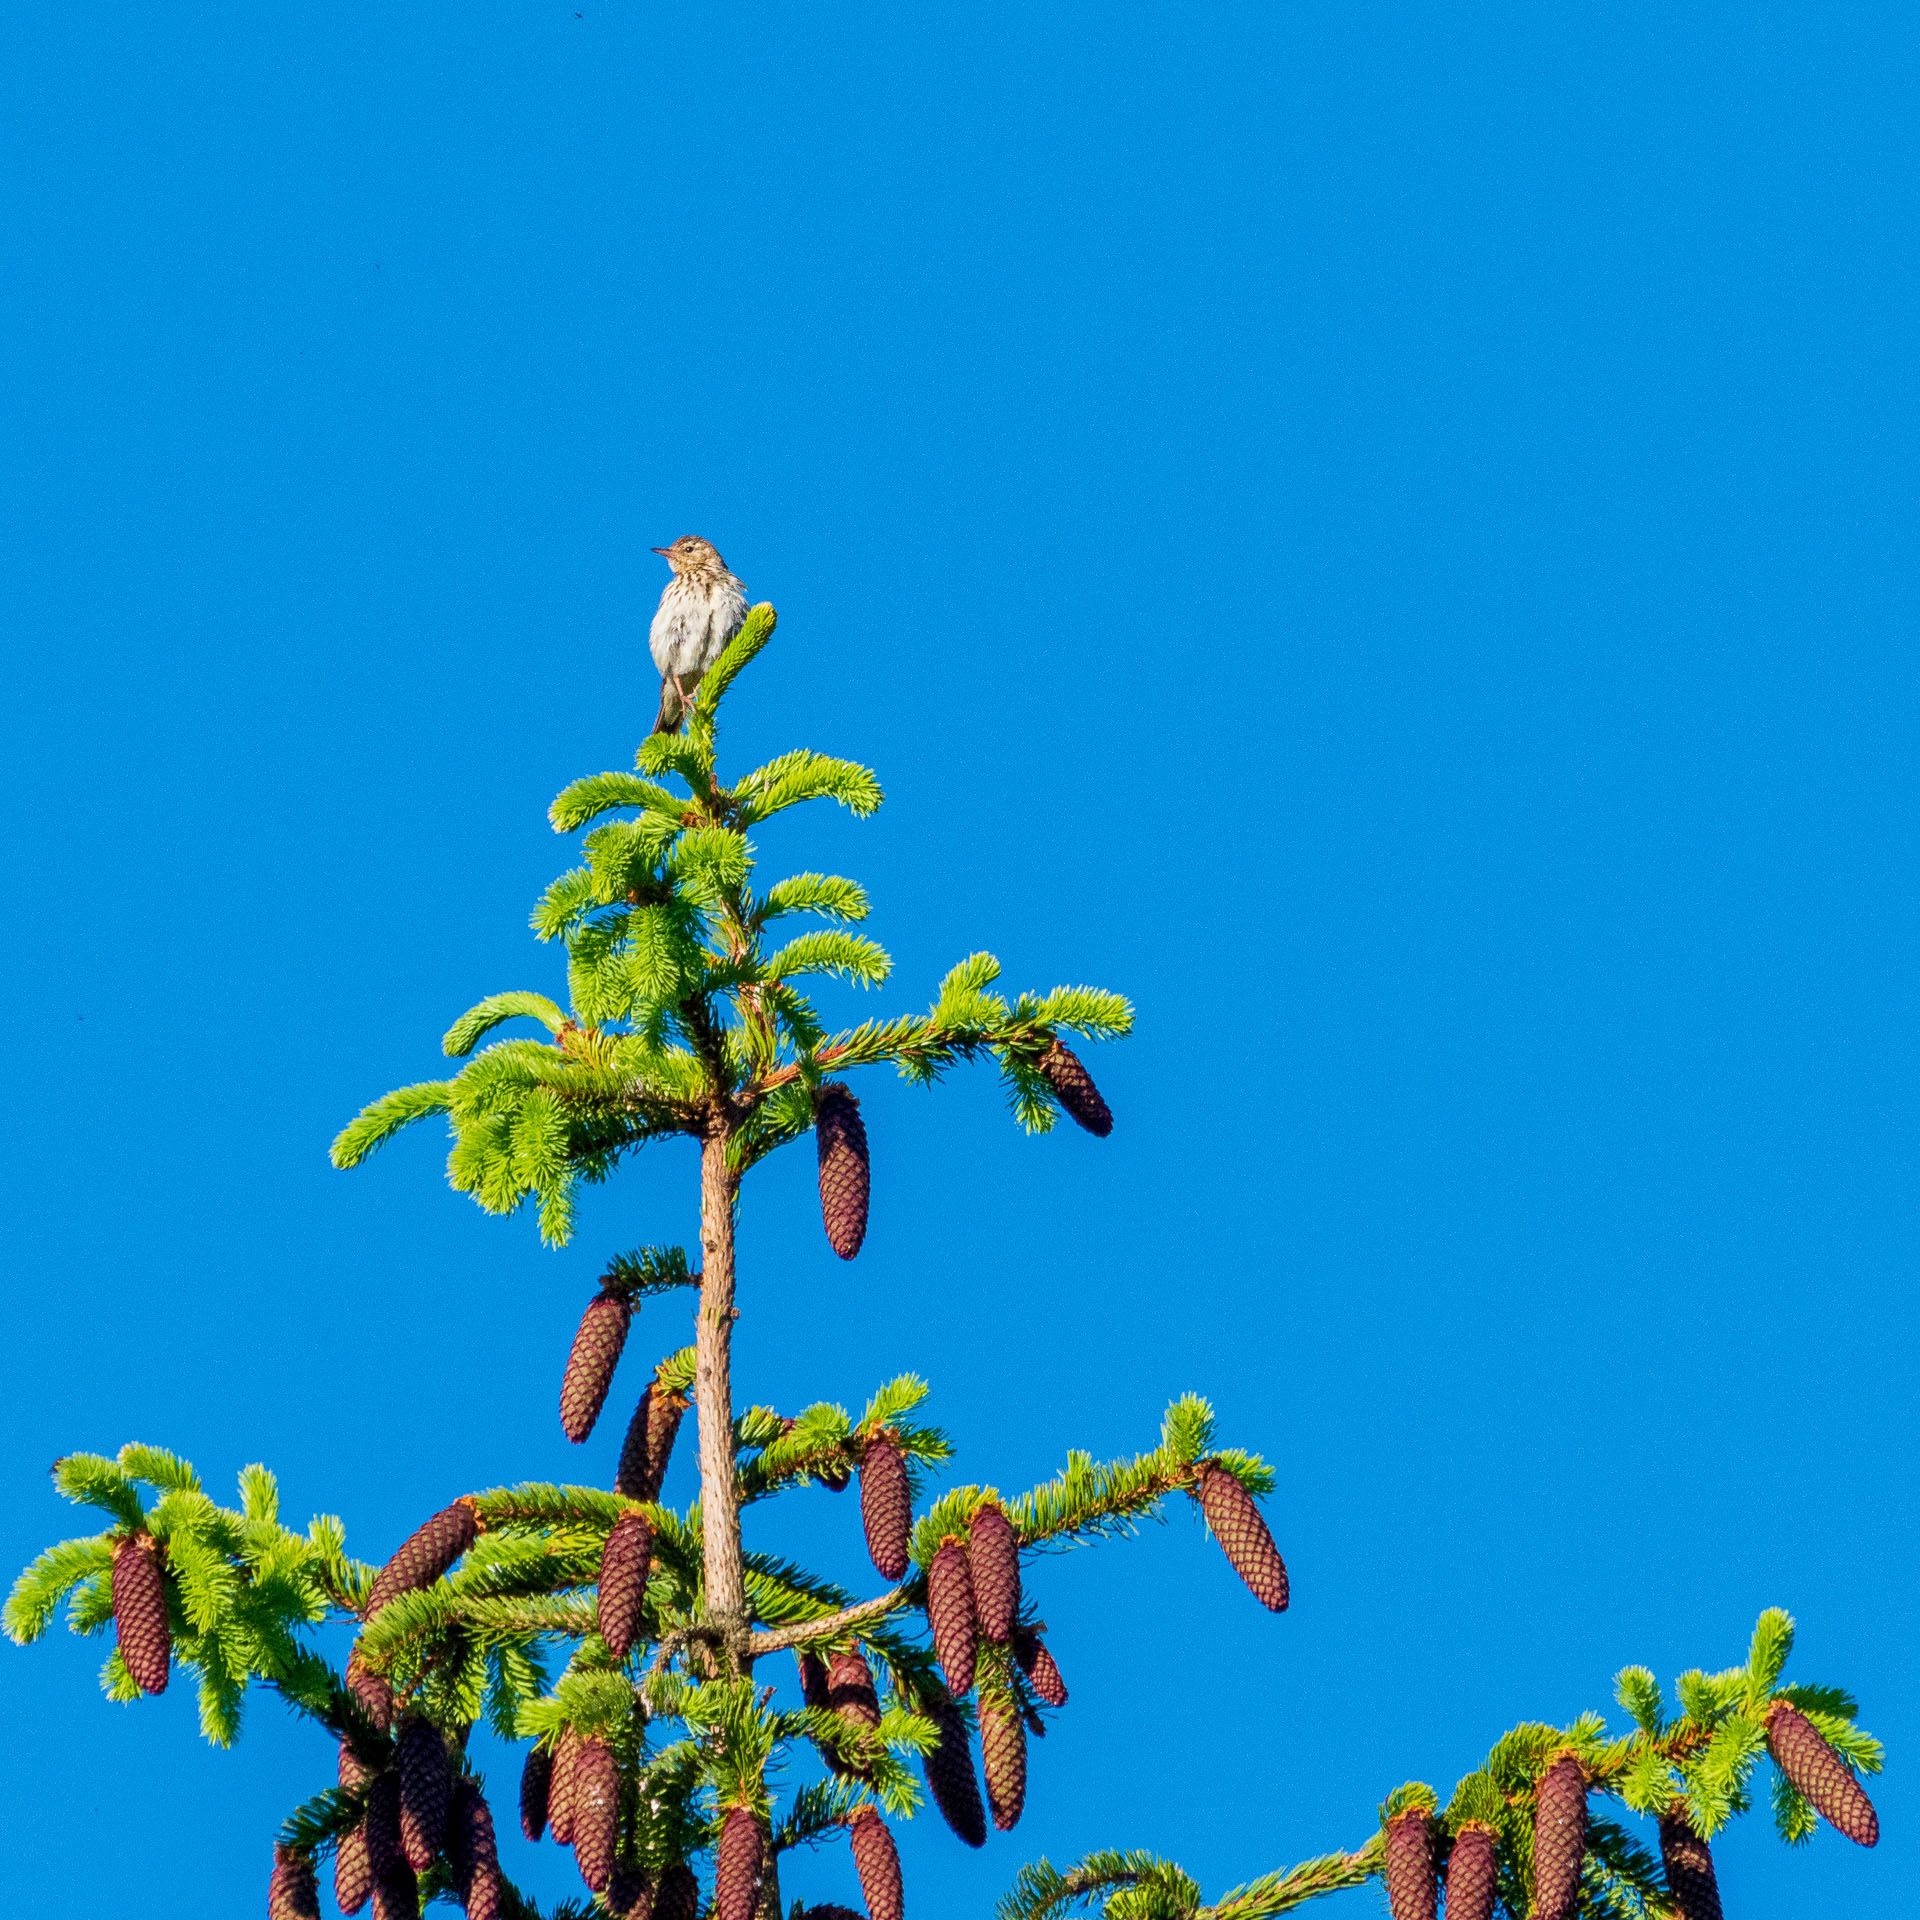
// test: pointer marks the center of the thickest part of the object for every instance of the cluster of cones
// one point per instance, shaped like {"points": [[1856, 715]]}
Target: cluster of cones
{"points": [[570, 1787], [846, 1174], [1414, 1846]]}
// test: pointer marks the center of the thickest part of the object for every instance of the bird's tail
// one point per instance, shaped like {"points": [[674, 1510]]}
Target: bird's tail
{"points": [[667, 720]]}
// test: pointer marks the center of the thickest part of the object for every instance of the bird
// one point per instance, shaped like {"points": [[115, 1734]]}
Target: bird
{"points": [[703, 607]]}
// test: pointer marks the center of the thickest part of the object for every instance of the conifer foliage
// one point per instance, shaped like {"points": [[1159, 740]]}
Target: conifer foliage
{"points": [[623, 1639]]}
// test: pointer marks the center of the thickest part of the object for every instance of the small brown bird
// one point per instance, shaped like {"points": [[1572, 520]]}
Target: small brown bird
{"points": [[702, 609]]}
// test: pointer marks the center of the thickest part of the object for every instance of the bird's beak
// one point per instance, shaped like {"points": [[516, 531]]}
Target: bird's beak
{"points": [[664, 552]]}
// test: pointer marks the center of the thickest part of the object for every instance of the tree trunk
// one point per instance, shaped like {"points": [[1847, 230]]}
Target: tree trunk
{"points": [[713, 1389]]}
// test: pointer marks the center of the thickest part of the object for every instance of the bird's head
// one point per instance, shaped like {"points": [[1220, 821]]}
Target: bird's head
{"points": [[691, 554]]}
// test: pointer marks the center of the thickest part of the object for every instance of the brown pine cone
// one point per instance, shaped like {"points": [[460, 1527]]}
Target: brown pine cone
{"points": [[291, 1893], [1472, 1876], [1559, 1838], [590, 1365], [1412, 1891], [813, 1678], [1689, 1864], [1039, 1666], [886, 1506], [396, 1894], [736, 1866], [1801, 1752], [850, 1690], [956, 1632], [630, 1893], [566, 1750], [950, 1776], [678, 1895], [1243, 1536], [623, 1582], [426, 1781], [140, 1611], [1003, 1754], [877, 1864], [536, 1777], [382, 1828], [426, 1554], [993, 1562], [1073, 1087], [471, 1851], [371, 1690], [845, 1176], [350, 1770], [649, 1443], [352, 1877], [596, 1812]]}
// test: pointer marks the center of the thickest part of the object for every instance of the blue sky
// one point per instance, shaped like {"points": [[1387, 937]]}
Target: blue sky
{"points": [[1383, 533]]}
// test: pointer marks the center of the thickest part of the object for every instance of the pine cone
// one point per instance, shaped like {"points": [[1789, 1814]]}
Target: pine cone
{"points": [[950, 1774], [596, 1813], [678, 1895], [425, 1554], [566, 1750], [877, 1864], [596, 1352], [649, 1443], [350, 1770], [1559, 1838], [850, 1690], [426, 1781], [472, 1852], [396, 1894], [1243, 1536], [1039, 1667], [845, 1177], [886, 1506], [993, 1562], [1689, 1864], [291, 1893], [956, 1632], [623, 1582], [813, 1679], [1412, 1891], [382, 1828], [352, 1877], [630, 1894], [1003, 1753], [371, 1690], [736, 1866], [1472, 1876], [1801, 1752], [1073, 1087], [536, 1777], [140, 1611]]}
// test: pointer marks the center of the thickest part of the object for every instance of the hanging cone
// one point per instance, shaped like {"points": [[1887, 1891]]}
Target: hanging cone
{"points": [[1559, 1838], [950, 1776], [140, 1611], [352, 1877], [649, 1444], [382, 1828], [425, 1554], [426, 1782], [291, 1893], [1039, 1667], [596, 1813], [1243, 1536], [993, 1563], [813, 1678], [590, 1365], [350, 1770], [886, 1506], [1412, 1891], [371, 1690], [1689, 1864], [1472, 1878], [956, 1632], [1003, 1756], [560, 1791], [877, 1864], [396, 1894], [845, 1177], [850, 1690], [623, 1582], [736, 1866], [472, 1852], [1073, 1087], [536, 1777], [1801, 1752], [678, 1895], [630, 1893]]}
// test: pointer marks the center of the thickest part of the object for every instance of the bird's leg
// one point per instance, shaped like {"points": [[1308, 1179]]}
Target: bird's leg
{"points": [[682, 692]]}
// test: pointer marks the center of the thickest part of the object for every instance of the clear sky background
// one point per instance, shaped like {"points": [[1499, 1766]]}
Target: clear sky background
{"points": [[1384, 533]]}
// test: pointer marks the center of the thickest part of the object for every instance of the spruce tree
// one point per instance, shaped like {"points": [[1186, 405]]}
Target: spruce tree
{"points": [[622, 1641]]}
